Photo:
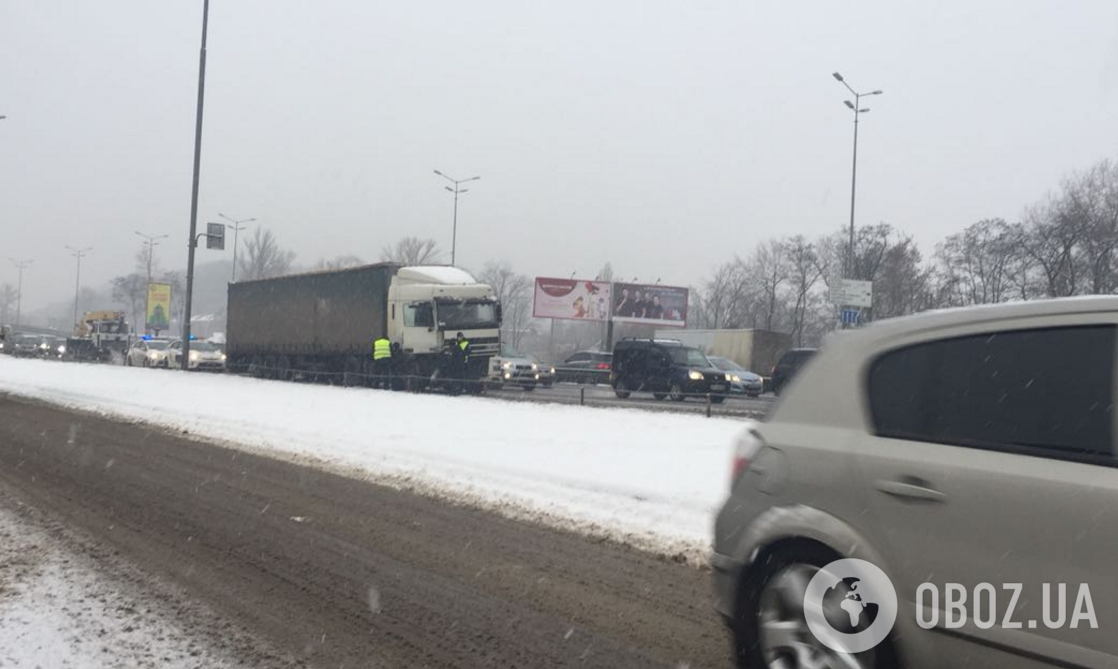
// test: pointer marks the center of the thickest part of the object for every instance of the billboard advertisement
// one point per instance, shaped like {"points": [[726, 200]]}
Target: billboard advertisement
{"points": [[159, 306], [650, 304], [571, 298]]}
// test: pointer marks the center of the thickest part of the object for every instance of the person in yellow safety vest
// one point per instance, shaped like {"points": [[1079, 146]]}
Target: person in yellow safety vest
{"points": [[382, 363]]}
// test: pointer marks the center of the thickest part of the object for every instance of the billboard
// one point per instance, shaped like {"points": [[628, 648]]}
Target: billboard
{"points": [[571, 298], [159, 306], [650, 304]]}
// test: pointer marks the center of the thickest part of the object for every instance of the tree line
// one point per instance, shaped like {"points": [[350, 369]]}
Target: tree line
{"points": [[1062, 245]]}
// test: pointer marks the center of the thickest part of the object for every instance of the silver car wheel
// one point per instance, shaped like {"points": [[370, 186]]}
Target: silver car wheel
{"points": [[785, 640]]}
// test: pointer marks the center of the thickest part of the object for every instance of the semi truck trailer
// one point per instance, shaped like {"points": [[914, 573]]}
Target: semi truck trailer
{"points": [[324, 323]]}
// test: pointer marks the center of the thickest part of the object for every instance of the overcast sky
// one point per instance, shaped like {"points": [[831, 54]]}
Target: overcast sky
{"points": [[661, 136]]}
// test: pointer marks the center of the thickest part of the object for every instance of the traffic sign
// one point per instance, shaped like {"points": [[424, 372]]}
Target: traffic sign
{"points": [[851, 316], [853, 293]]}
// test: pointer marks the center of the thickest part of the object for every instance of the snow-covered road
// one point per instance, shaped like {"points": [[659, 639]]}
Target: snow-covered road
{"points": [[651, 479]]}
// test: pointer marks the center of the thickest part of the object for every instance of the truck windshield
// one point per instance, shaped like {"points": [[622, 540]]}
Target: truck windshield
{"points": [[467, 315]]}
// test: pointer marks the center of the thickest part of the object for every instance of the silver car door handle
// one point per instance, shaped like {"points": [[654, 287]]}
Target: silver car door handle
{"points": [[908, 490]]}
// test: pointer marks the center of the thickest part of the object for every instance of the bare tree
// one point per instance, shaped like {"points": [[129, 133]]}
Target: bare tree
{"points": [[514, 291], [412, 251], [131, 292], [8, 297], [805, 273], [263, 257]]}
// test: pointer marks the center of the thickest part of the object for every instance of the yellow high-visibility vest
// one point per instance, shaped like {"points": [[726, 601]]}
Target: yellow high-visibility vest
{"points": [[382, 348]]}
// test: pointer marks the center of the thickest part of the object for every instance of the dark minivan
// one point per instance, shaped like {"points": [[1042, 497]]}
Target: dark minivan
{"points": [[665, 368], [788, 365]]}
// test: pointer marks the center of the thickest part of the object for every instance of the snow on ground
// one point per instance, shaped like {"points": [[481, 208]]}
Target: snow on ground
{"points": [[653, 479], [58, 608]]}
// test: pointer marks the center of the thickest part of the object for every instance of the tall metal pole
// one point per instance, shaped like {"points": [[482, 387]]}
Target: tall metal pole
{"points": [[78, 253], [852, 271], [236, 227], [456, 190], [192, 242], [851, 267], [21, 265]]}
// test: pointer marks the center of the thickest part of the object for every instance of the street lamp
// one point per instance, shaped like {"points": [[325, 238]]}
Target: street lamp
{"points": [[192, 241], [456, 190], [78, 253], [21, 265], [857, 108], [152, 242], [236, 227]]}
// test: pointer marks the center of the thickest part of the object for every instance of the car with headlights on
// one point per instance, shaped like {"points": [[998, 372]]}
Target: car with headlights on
{"points": [[148, 352], [27, 346], [513, 368], [968, 455], [203, 356], [665, 368], [742, 381]]}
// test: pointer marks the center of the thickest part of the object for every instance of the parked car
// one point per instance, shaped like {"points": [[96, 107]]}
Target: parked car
{"points": [[665, 368], [742, 381], [512, 367], [203, 356], [787, 367], [963, 447], [148, 353], [588, 367]]}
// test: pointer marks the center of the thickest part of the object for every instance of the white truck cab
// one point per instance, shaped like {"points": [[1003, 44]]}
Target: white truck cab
{"points": [[429, 306]]}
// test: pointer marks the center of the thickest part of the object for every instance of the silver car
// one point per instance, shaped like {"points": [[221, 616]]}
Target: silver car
{"points": [[148, 353], [968, 455]]}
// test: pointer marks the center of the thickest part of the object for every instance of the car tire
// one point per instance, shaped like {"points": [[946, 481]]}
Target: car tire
{"points": [[762, 591], [127, 361], [622, 390], [717, 399], [660, 396], [676, 392], [529, 387]]}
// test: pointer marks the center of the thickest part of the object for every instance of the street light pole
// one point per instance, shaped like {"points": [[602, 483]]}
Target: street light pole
{"points": [[21, 265], [152, 242], [456, 190], [236, 227], [78, 253], [192, 242], [856, 107]]}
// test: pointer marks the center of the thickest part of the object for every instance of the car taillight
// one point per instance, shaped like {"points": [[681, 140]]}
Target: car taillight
{"points": [[746, 448], [603, 365]]}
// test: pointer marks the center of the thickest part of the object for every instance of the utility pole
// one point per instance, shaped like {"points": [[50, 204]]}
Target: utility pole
{"points": [[236, 227], [78, 253], [456, 190], [856, 107], [192, 242], [21, 265]]}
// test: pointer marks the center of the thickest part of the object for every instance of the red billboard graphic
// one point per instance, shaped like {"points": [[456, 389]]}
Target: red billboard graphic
{"points": [[575, 299]]}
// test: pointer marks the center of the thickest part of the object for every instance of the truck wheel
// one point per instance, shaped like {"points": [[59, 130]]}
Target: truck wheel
{"points": [[660, 396], [676, 392], [622, 390]]}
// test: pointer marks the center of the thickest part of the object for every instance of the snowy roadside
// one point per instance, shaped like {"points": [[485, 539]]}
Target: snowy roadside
{"points": [[66, 603], [653, 480]]}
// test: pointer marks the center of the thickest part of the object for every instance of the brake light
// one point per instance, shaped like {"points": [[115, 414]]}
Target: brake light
{"points": [[603, 365], [748, 444]]}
